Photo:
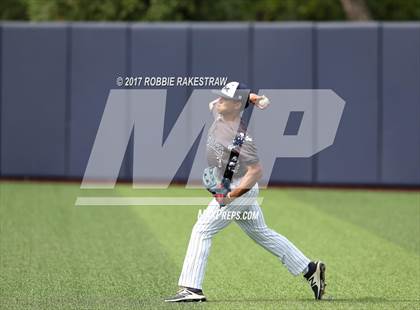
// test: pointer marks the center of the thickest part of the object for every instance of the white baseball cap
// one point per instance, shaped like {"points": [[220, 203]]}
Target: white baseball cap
{"points": [[234, 91]]}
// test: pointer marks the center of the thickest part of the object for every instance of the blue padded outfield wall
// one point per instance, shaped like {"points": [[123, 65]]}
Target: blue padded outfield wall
{"points": [[55, 79]]}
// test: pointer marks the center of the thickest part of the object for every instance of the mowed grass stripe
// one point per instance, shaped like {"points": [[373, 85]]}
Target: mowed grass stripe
{"points": [[61, 256], [54, 254], [361, 264], [395, 216], [371, 257]]}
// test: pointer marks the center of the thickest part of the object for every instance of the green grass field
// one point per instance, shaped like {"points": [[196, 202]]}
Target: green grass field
{"points": [[56, 255]]}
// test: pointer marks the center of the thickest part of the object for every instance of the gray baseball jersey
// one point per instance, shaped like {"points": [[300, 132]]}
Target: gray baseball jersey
{"points": [[220, 136]]}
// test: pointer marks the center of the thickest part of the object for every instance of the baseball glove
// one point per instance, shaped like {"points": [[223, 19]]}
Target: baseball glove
{"points": [[218, 188]]}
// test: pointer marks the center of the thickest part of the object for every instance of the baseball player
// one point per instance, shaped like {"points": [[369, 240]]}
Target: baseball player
{"points": [[237, 195]]}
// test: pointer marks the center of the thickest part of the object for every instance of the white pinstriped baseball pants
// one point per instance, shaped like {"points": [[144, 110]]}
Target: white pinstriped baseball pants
{"points": [[209, 224]]}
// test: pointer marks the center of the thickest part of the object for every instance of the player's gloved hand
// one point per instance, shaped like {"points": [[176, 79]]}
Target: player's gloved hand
{"points": [[219, 189], [225, 200], [220, 194]]}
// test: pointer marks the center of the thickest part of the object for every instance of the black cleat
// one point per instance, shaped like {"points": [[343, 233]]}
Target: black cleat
{"points": [[316, 278], [186, 295]]}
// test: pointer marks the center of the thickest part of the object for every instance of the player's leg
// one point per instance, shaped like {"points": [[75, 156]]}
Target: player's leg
{"points": [[193, 269], [209, 223], [256, 228], [294, 260]]}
